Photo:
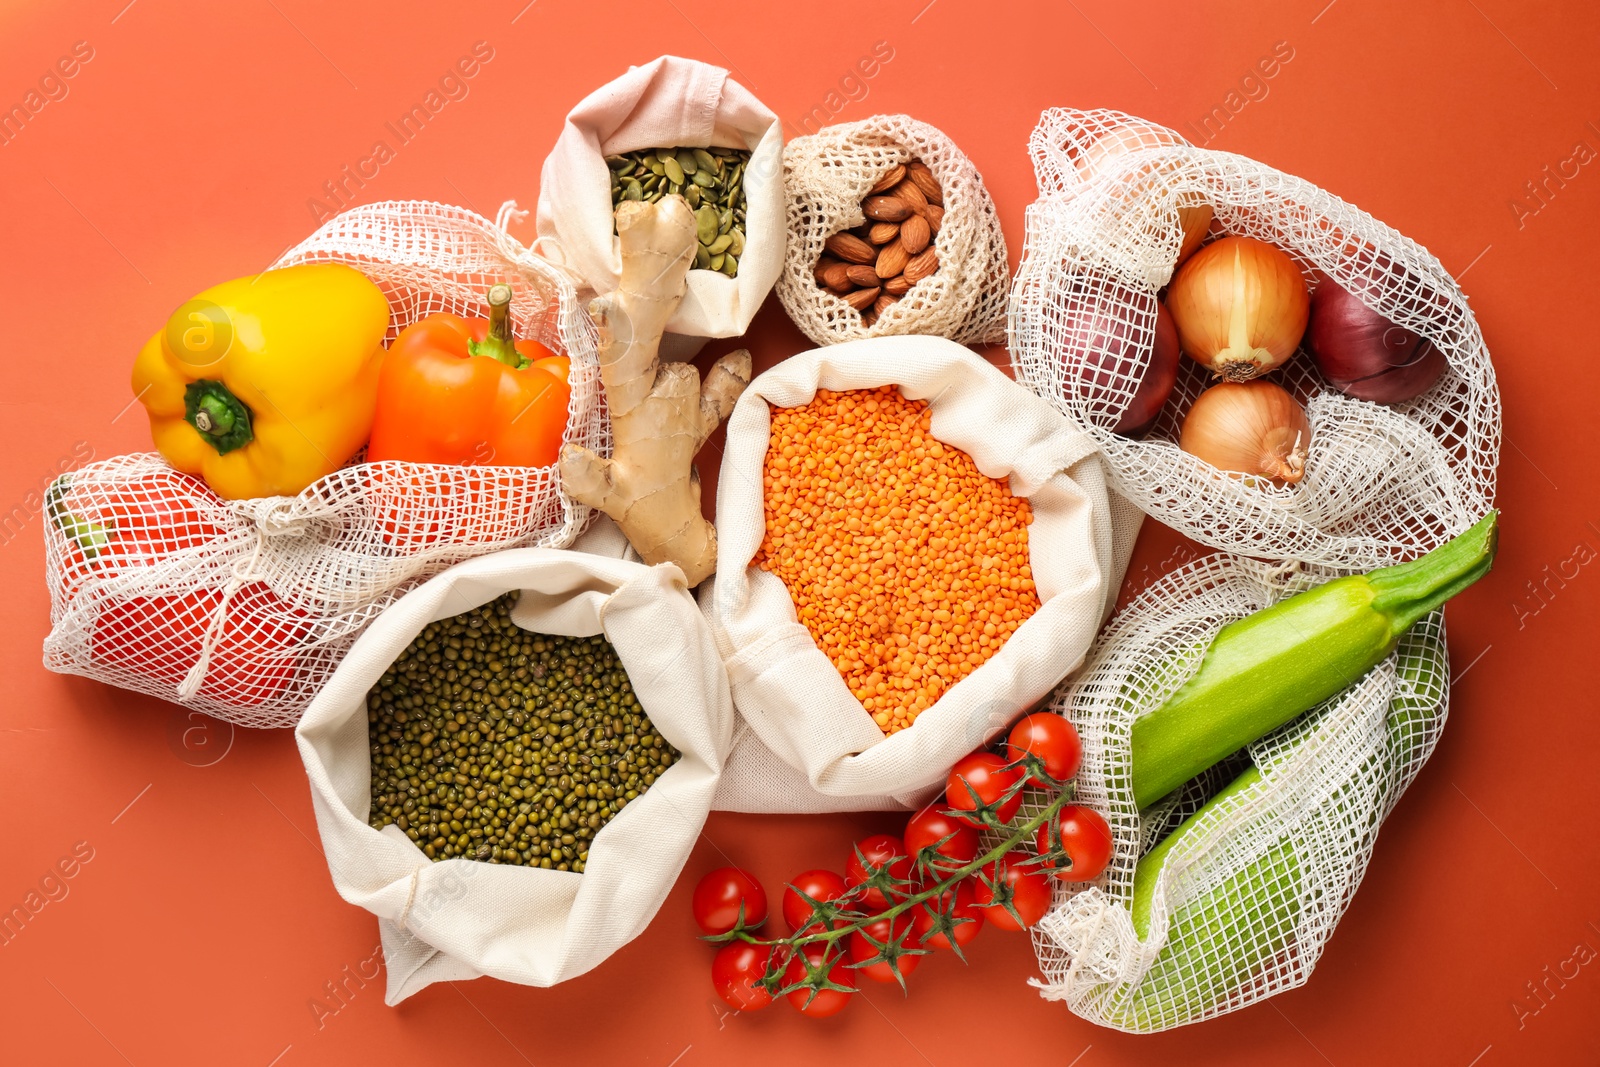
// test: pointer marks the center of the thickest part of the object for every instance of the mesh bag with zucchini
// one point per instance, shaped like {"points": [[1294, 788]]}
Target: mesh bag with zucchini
{"points": [[1387, 410], [1246, 730]]}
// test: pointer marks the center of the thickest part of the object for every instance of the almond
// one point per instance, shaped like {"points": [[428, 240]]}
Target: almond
{"points": [[920, 266], [892, 259], [836, 276], [935, 217], [862, 275], [889, 180], [924, 180], [851, 248], [820, 270], [862, 299], [908, 193], [915, 233], [883, 232], [884, 303], [868, 318], [897, 285], [885, 208]]}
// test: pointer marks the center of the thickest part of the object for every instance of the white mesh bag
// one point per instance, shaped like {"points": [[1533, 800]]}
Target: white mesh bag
{"points": [[805, 742], [666, 103], [1383, 483], [829, 173], [241, 609], [1244, 904], [459, 918]]}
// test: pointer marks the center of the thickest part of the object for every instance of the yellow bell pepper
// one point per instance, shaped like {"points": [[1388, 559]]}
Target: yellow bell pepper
{"points": [[264, 384]]}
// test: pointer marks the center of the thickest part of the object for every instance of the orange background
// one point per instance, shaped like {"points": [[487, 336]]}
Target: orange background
{"points": [[185, 153]]}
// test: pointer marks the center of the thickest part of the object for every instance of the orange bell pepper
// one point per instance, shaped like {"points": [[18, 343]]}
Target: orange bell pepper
{"points": [[463, 391]]}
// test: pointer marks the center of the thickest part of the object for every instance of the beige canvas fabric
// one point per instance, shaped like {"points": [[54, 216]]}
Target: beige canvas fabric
{"points": [[806, 743], [666, 103], [453, 919]]}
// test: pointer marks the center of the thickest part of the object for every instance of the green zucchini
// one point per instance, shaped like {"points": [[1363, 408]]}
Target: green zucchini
{"points": [[1281, 662]]}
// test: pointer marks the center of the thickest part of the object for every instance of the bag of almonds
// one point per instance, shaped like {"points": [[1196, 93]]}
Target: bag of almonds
{"points": [[981, 554], [672, 126], [891, 231], [512, 784]]}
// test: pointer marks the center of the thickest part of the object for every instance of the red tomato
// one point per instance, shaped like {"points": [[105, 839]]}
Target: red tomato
{"points": [[735, 970], [987, 775], [1051, 739], [928, 826], [719, 896], [885, 932], [922, 918], [1030, 891], [881, 852], [819, 1003], [1087, 839], [820, 886]]}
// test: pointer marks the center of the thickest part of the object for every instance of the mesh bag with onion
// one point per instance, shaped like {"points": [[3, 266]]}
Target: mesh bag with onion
{"points": [[1121, 202], [242, 608], [1244, 902]]}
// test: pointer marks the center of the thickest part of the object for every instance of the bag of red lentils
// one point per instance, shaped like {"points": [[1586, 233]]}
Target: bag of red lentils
{"points": [[864, 661], [447, 919]]}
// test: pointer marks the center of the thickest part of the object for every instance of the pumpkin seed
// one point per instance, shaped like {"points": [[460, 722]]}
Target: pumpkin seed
{"points": [[711, 181]]}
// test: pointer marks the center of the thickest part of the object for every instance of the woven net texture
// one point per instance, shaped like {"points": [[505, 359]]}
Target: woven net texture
{"points": [[1383, 483], [826, 177], [242, 609], [1244, 904]]}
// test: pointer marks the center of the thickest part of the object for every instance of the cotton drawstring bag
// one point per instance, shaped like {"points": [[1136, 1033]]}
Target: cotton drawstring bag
{"points": [[1244, 905], [666, 103], [827, 175], [1383, 482], [460, 918], [243, 608], [806, 743]]}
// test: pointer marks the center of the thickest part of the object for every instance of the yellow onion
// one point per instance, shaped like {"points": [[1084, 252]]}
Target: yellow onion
{"points": [[1194, 214], [1240, 306], [1248, 428]]}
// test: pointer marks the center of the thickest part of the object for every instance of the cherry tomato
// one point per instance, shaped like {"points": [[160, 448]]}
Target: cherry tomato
{"points": [[929, 825], [820, 886], [1050, 738], [881, 851], [1030, 891], [820, 1003], [735, 970], [719, 895], [987, 775], [1087, 839], [884, 931], [922, 918]]}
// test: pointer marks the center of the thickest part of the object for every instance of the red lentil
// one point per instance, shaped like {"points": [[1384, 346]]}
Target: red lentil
{"points": [[907, 564]]}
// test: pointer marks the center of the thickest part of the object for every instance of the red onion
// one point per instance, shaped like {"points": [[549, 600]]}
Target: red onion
{"points": [[1102, 347], [1363, 354]]}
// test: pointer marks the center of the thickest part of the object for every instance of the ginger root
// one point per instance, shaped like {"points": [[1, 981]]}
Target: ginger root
{"points": [[660, 413]]}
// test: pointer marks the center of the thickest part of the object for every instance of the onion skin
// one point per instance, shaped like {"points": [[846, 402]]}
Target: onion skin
{"points": [[1240, 306], [1194, 219], [1363, 354], [1100, 347], [1248, 428]]}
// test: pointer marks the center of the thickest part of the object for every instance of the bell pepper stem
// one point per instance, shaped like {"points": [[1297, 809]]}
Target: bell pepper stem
{"points": [[220, 418], [500, 344]]}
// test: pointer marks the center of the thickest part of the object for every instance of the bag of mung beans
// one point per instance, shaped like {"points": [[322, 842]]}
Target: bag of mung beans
{"points": [[667, 103], [508, 915], [806, 740]]}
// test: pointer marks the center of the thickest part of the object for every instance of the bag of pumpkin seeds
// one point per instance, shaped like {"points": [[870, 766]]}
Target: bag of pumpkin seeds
{"points": [[513, 762], [672, 126]]}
